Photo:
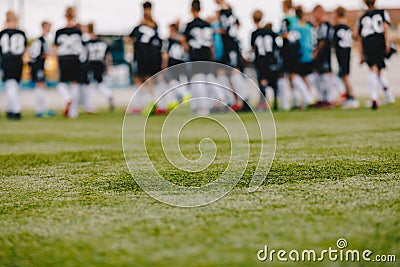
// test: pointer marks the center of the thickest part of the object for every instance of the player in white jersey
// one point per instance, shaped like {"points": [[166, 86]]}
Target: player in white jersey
{"points": [[373, 31], [69, 47], [38, 52], [12, 48], [98, 58]]}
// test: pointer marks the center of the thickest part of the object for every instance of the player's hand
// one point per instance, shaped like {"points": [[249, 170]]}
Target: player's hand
{"points": [[362, 60], [387, 48]]}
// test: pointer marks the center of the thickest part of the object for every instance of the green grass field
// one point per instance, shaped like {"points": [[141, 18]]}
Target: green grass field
{"points": [[68, 199]]}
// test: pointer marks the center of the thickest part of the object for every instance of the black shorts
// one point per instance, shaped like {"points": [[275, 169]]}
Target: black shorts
{"points": [[37, 71], [290, 65], [146, 68], [233, 59], [232, 56], [344, 64], [95, 71], [71, 69], [12, 68], [264, 72], [306, 69], [323, 65], [376, 59]]}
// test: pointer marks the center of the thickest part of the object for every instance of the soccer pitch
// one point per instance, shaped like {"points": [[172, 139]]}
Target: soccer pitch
{"points": [[68, 199]]}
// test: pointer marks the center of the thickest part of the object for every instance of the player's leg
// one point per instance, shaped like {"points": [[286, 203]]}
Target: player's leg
{"points": [[12, 77], [216, 94], [76, 79], [351, 102], [223, 80], [374, 84], [63, 87], [41, 108], [199, 93], [262, 84], [13, 107], [284, 93], [73, 111], [102, 86], [162, 95], [239, 85], [389, 97], [300, 86]]}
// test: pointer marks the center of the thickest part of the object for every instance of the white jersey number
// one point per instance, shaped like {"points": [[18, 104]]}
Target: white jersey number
{"points": [[97, 51], [177, 52], [14, 44], [202, 37], [147, 34], [372, 25], [70, 45], [346, 38], [265, 45]]}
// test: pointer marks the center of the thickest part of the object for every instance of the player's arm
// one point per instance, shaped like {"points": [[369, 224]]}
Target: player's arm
{"points": [[358, 38], [212, 52], [184, 42], [285, 29], [25, 59], [386, 25], [322, 41], [164, 54], [108, 60], [321, 44]]}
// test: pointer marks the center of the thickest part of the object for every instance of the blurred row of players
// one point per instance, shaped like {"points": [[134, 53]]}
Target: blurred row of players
{"points": [[294, 62]]}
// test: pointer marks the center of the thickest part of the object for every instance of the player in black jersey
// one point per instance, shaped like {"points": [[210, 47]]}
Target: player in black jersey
{"points": [[98, 58], [232, 56], [69, 47], [174, 54], [12, 48], [372, 29], [267, 46], [343, 42], [147, 46], [291, 53], [173, 51], [38, 52], [229, 31], [197, 41], [322, 58]]}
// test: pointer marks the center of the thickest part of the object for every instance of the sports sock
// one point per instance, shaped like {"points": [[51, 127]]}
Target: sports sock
{"points": [[373, 80], [384, 82], [62, 89], [105, 90], [41, 101], [229, 94], [198, 92], [163, 98], [239, 85], [87, 97], [301, 86], [13, 101], [215, 90], [177, 94], [74, 108], [283, 93], [325, 82]]}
